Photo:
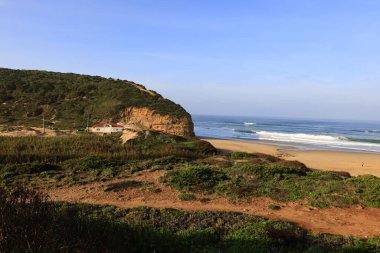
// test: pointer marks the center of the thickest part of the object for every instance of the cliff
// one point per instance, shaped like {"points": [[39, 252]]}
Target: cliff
{"points": [[146, 118], [71, 101]]}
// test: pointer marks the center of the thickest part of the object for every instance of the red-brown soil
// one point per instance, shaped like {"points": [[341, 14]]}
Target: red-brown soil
{"points": [[355, 221]]}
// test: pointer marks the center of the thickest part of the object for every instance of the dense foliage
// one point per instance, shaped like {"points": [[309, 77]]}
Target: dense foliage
{"points": [[68, 100], [29, 223]]}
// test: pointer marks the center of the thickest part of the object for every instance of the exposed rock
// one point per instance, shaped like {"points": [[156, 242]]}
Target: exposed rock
{"points": [[128, 135], [147, 119]]}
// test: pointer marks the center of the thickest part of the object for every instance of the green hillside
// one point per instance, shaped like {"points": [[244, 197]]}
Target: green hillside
{"points": [[67, 100]]}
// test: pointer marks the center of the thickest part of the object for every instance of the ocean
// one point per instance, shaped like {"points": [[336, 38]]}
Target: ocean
{"points": [[358, 136]]}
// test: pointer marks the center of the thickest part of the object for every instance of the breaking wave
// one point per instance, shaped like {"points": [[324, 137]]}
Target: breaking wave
{"points": [[323, 140]]}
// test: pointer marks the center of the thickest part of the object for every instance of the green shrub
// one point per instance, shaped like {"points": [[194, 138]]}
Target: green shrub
{"points": [[187, 197], [204, 147], [274, 207], [368, 188], [241, 155], [270, 170], [95, 165], [195, 178]]}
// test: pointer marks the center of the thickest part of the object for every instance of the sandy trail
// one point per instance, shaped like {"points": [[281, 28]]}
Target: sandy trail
{"points": [[355, 221], [354, 163]]}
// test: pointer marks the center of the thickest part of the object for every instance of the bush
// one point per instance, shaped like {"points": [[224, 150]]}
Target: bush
{"points": [[368, 188], [96, 163], [186, 197], [273, 169], [241, 155], [195, 178], [204, 147], [274, 207], [291, 164]]}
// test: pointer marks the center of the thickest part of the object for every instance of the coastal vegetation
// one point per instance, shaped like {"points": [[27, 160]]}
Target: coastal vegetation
{"points": [[190, 164], [70, 101], [279, 180], [190, 168], [61, 227], [87, 158]]}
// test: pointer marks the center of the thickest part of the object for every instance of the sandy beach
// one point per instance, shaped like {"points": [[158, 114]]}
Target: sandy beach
{"points": [[352, 162]]}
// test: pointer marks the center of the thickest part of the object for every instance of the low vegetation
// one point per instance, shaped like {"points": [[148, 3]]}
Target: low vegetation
{"points": [[189, 167], [58, 149], [280, 181], [195, 178], [190, 164], [86, 158], [59, 227], [187, 197]]}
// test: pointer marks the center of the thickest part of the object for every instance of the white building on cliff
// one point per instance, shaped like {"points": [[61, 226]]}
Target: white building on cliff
{"points": [[106, 128]]}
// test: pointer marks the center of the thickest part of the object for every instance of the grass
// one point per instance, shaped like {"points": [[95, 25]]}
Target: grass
{"points": [[63, 227], [58, 149], [87, 158]]}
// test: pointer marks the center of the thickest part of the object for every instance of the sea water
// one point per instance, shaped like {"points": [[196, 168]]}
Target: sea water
{"points": [[356, 136]]}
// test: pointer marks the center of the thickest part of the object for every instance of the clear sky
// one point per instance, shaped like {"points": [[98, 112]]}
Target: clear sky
{"points": [[290, 58]]}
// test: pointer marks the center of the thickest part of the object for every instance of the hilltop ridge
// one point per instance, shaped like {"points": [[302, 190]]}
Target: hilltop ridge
{"points": [[71, 101]]}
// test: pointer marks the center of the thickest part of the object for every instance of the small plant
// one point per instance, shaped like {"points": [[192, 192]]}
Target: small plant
{"points": [[186, 197], [274, 207], [241, 155]]}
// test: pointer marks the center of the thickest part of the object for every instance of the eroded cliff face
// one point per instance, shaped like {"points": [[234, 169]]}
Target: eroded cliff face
{"points": [[147, 119]]}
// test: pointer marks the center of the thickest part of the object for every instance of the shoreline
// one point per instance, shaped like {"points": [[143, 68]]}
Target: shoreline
{"points": [[353, 162], [293, 146]]}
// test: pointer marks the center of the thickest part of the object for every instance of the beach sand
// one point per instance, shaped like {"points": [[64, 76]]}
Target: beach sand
{"points": [[322, 160]]}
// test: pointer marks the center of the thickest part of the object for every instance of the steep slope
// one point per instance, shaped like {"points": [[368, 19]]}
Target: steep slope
{"points": [[70, 101]]}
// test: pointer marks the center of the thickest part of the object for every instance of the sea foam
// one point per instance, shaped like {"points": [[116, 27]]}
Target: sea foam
{"points": [[323, 140]]}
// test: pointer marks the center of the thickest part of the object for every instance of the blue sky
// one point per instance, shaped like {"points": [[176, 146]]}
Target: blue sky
{"points": [[289, 58]]}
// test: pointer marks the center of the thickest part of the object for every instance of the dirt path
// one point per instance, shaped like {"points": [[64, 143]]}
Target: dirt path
{"points": [[354, 221], [143, 90]]}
